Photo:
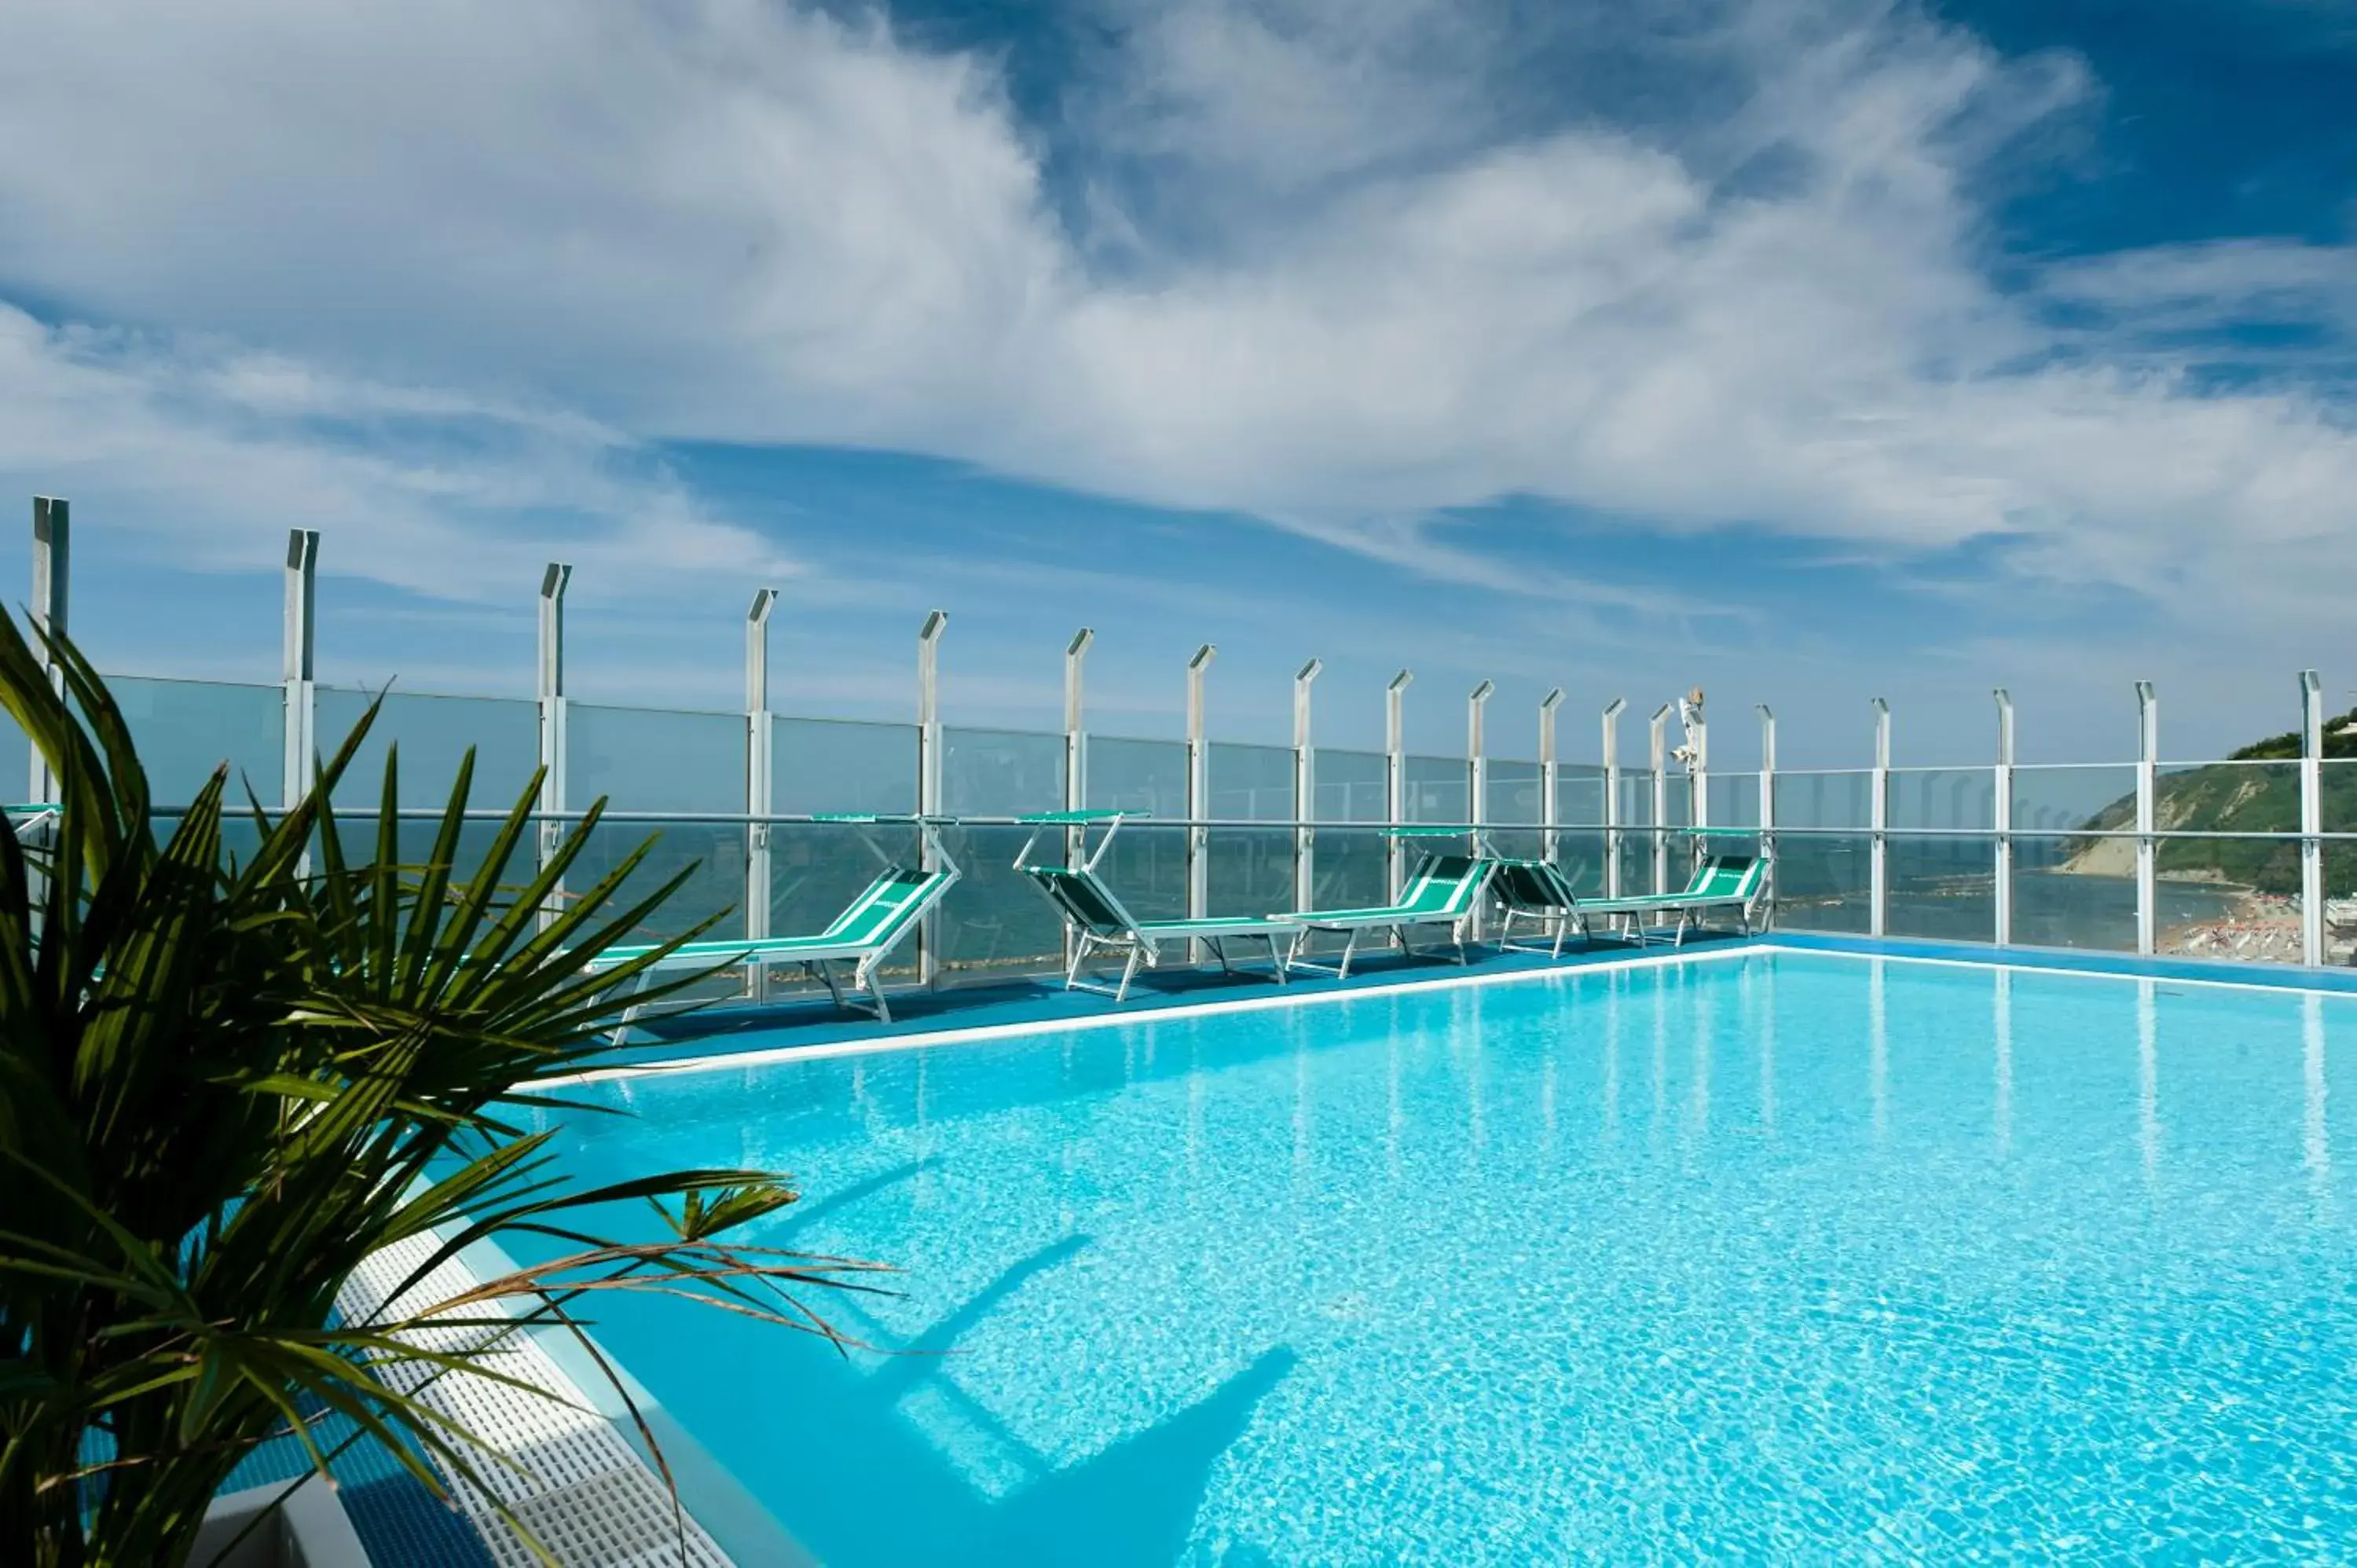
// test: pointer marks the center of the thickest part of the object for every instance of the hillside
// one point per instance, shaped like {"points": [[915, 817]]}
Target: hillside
{"points": [[2228, 799]]}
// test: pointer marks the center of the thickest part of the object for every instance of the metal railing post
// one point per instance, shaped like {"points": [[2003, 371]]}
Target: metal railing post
{"points": [[1076, 755], [929, 781], [1878, 807], [2001, 816], [553, 584], [1767, 810], [301, 751], [1661, 766], [1198, 796], [1550, 812], [2311, 819], [2147, 811], [1396, 779], [759, 735], [1477, 781], [1304, 791], [52, 584], [1612, 795]]}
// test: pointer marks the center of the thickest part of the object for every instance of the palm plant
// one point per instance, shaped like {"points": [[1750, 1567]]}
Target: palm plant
{"points": [[224, 1084]]}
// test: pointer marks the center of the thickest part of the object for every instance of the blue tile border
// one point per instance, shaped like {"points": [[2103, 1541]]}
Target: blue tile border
{"points": [[2216, 972], [730, 1030]]}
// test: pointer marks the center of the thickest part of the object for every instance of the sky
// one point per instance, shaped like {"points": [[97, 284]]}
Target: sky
{"points": [[1807, 350]]}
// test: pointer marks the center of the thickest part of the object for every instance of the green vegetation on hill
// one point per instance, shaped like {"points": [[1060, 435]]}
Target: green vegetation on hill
{"points": [[2224, 798]]}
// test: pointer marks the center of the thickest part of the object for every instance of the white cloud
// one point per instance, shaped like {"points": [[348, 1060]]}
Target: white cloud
{"points": [[212, 453], [1335, 276]]}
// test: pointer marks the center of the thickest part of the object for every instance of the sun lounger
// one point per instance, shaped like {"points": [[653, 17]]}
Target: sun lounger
{"points": [[1100, 924]]}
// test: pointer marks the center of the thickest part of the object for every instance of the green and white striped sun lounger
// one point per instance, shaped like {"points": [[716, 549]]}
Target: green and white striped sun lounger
{"points": [[1445, 890], [862, 938], [1537, 891], [1100, 924], [1719, 882]]}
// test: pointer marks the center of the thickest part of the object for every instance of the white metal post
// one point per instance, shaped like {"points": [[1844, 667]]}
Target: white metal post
{"points": [[1878, 816], [1477, 758], [1660, 766], [2001, 816], [759, 735], [2311, 818], [1612, 795], [52, 584], [553, 584], [1076, 762], [1396, 779], [301, 751], [1198, 795], [929, 780], [2146, 804], [1768, 806], [1304, 791], [1550, 813], [1477, 781]]}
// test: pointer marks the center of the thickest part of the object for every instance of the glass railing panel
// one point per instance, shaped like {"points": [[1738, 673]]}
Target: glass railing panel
{"points": [[1734, 799], [654, 759], [1578, 795], [1636, 799], [1830, 800], [2229, 899], [1943, 888], [995, 922], [2338, 776], [711, 858], [1951, 798], [434, 734], [1249, 783], [1823, 882], [1147, 869], [185, 729], [2340, 815], [2068, 895], [1126, 775], [1351, 869], [15, 763], [1001, 773], [1438, 790], [1248, 870], [841, 765], [816, 869], [1512, 802], [2059, 799], [2228, 797], [1349, 786]]}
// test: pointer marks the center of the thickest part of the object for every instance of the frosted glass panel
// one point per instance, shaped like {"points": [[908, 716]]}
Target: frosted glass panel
{"points": [[185, 729], [1942, 798], [1437, 789], [1148, 776], [1251, 783], [1844, 799], [1348, 784], [650, 759], [434, 734], [833, 764], [1001, 773]]}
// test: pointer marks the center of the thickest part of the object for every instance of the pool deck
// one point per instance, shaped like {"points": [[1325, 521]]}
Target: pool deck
{"points": [[1018, 1005]]}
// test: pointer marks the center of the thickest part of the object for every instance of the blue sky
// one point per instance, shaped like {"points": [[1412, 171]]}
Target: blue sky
{"points": [[1807, 350]]}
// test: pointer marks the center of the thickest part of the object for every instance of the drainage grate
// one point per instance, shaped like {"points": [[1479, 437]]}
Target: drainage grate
{"points": [[580, 1486]]}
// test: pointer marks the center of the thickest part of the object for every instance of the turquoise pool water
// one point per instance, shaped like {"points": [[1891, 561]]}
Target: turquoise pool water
{"points": [[1773, 1255]]}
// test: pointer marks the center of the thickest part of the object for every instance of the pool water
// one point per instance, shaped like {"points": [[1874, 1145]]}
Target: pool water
{"points": [[1768, 1255]]}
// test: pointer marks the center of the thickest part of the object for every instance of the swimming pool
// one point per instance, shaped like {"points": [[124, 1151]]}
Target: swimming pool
{"points": [[1759, 1254]]}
